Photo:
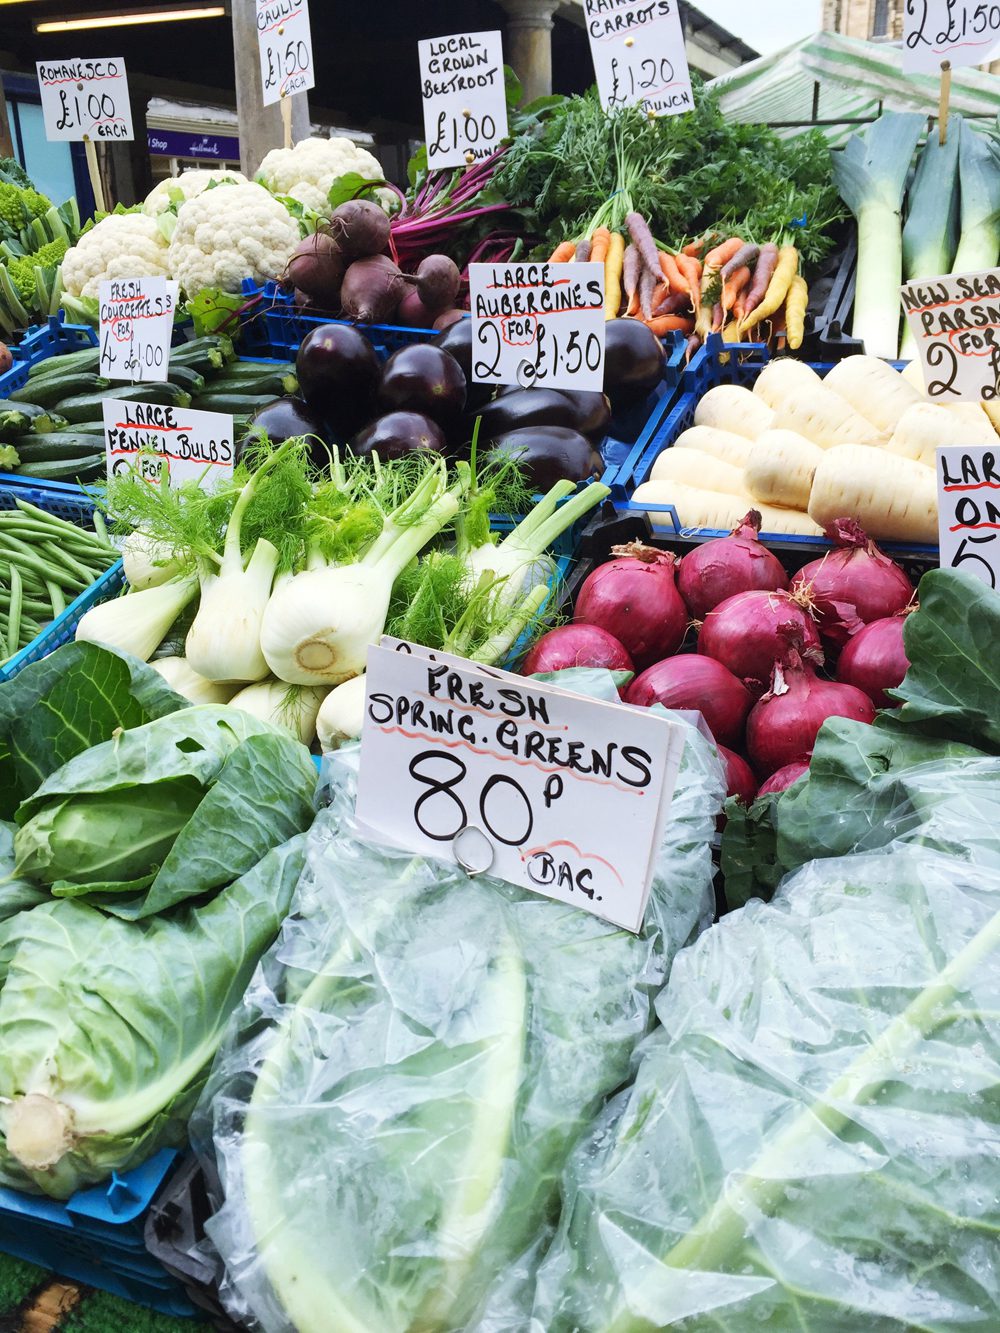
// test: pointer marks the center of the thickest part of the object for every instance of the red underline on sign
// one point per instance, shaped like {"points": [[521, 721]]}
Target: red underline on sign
{"points": [[993, 486], [971, 527], [165, 453], [135, 425], [584, 856], [534, 286], [957, 46], [80, 78], [281, 23]]}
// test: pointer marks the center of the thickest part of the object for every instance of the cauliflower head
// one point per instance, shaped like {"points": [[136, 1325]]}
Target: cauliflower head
{"points": [[123, 245], [307, 171], [223, 236], [186, 186]]}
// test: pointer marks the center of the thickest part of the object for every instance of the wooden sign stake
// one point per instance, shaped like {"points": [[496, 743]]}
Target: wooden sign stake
{"points": [[286, 118], [943, 101], [90, 148]]}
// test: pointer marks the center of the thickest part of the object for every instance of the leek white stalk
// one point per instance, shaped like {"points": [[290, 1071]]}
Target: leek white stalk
{"points": [[147, 562], [979, 182], [931, 231], [317, 628], [870, 174], [137, 623], [177, 672], [342, 714], [293, 707]]}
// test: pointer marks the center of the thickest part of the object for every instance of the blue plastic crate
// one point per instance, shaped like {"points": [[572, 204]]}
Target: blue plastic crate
{"points": [[272, 325], [53, 338], [97, 1236]]}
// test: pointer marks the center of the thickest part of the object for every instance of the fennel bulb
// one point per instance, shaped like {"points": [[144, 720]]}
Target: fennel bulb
{"points": [[342, 714], [177, 672], [138, 622], [223, 643], [293, 707], [147, 562]]}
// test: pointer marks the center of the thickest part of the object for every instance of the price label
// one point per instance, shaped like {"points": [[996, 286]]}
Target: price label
{"points": [[465, 101], [535, 324], [638, 51], [137, 322], [965, 32], [969, 510], [285, 40], [955, 321], [560, 794], [85, 99], [175, 442]]}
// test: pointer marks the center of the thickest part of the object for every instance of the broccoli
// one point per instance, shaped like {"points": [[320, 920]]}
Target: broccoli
{"points": [[22, 271], [18, 206]]}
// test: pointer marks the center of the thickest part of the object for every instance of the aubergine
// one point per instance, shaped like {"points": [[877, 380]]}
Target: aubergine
{"points": [[338, 374], [285, 418], [633, 360], [591, 412], [399, 433], [456, 340], [550, 454], [423, 378], [525, 407]]}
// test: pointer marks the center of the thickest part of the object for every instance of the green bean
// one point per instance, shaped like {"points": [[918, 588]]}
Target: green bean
{"points": [[62, 556], [57, 600], [100, 527], [14, 608], [30, 564]]}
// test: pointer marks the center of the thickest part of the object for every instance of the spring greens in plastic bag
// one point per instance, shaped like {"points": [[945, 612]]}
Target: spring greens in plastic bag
{"points": [[412, 1063], [813, 1136]]}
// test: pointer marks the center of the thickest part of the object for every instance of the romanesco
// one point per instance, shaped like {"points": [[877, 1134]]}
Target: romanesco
{"points": [[22, 271], [18, 207]]}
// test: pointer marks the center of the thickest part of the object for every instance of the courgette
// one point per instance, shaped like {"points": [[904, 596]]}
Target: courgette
{"points": [[187, 378], [88, 467], [17, 419], [50, 391], [60, 446], [251, 369], [87, 406], [276, 384], [85, 358], [206, 360], [233, 404]]}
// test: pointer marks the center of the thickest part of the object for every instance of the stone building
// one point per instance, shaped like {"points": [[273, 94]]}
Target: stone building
{"points": [[866, 19]]}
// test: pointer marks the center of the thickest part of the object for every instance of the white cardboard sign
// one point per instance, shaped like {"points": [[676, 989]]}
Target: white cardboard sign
{"points": [[956, 321], [969, 510], [185, 444], [639, 57], [964, 32], [285, 40], [465, 101], [136, 326], [538, 324], [85, 99], [568, 795]]}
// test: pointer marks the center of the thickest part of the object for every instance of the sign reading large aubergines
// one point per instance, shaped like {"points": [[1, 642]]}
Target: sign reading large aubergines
{"points": [[85, 99], [963, 32], [285, 41], [465, 98], [955, 321], [563, 795], [639, 57]]}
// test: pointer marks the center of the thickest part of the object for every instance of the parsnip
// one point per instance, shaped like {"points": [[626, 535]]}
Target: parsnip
{"points": [[971, 413], [697, 508], [924, 426], [697, 469], [780, 375], [823, 417], [734, 449], [732, 408], [780, 468], [891, 497], [874, 389]]}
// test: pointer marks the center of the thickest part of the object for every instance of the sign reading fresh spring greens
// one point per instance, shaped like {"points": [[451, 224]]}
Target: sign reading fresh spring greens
{"points": [[136, 325], [85, 99], [955, 320], [465, 100], [178, 442], [538, 324], [969, 510], [638, 52], [563, 795], [964, 32], [285, 41]]}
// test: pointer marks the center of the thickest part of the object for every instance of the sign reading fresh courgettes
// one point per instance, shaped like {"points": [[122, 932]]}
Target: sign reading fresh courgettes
{"points": [[136, 325], [159, 439], [465, 99], [639, 57], [955, 320]]}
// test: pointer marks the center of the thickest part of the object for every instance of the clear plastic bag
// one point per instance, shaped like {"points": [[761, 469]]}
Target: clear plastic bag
{"points": [[411, 1066]]}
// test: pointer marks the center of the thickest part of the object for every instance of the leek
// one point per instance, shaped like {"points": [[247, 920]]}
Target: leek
{"points": [[870, 174], [930, 236], [979, 179]]}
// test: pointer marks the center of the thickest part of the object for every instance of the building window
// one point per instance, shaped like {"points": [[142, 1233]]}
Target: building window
{"points": [[880, 23]]}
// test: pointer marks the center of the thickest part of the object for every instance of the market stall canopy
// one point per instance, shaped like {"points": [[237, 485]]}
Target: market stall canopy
{"points": [[831, 81]]}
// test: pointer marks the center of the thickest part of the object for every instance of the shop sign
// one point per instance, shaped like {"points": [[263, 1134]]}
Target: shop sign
{"points": [[465, 98], [85, 99], [174, 143], [639, 57]]}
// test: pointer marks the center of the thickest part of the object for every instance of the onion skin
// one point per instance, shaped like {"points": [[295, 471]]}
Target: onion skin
{"points": [[634, 597], [729, 565], [743, 634], [784, 778], [701, 684], [852, 585], [875, 661], [783, 726], [740, 780], [576, 646]]}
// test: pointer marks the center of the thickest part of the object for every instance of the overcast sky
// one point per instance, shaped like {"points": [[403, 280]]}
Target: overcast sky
{"points": [[767, 25]]}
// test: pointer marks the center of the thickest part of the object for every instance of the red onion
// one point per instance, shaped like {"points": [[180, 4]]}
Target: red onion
{"points": [[634, 597], [728, 565], [743, 634], [576, 646], [700, 684], [874, 659], [782, 727], [852, 585], [784, 778], [740, 781]]}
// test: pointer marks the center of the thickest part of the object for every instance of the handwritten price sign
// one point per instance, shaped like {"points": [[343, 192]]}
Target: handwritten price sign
{"points": [[285, 40], [85, 99], [638, 51], [137, 321], [535, 324], [965, 32], [568, 795], [955, 321], [177, 442], [465, 103], [969, 510]]}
